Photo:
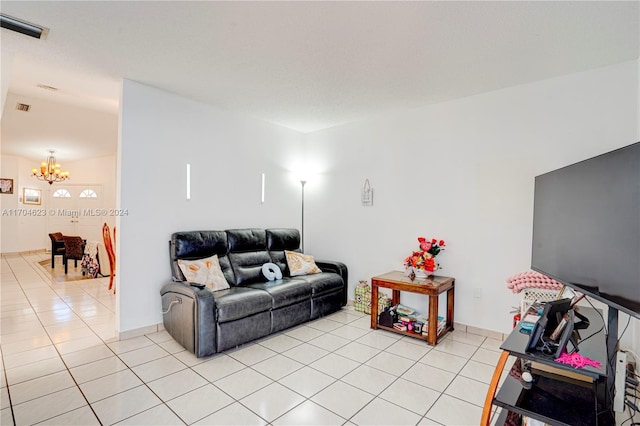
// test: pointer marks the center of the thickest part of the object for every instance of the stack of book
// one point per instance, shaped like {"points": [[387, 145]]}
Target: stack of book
{"points": [[441, 324], [406, 318], [402, 326], [411, 320]]}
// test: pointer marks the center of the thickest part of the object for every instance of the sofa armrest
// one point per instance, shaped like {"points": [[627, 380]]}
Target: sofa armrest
{"points": [[340, 269], [189, 316], [185, 289], [331, 266]]}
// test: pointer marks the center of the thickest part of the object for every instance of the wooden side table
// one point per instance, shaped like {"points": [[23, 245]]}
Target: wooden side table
{"points": [[433, 286]]}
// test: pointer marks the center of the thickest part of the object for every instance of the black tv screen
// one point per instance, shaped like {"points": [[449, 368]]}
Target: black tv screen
{"points": [[586, 227]]}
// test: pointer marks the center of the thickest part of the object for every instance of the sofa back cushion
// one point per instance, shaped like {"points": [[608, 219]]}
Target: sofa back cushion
{"points": [[241, 252], [247, 253], [193, 245], [279, 241]]}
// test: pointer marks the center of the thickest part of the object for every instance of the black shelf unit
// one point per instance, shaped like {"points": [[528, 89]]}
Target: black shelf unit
{"points": [[555, 398], [550, 400]]}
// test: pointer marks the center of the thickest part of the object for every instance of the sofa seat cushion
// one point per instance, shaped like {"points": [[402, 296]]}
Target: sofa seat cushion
{"points": [[240, 302], [325, 282], [285, 292]]}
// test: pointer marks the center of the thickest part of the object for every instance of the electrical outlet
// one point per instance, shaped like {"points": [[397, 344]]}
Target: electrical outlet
{"points": [[477, 292]]}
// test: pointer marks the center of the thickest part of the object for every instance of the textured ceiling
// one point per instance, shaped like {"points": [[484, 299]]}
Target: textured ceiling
{"points": [[310, 65]]}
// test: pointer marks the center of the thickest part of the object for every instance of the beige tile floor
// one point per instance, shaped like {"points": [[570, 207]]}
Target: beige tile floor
{"points": [[61, 365]]}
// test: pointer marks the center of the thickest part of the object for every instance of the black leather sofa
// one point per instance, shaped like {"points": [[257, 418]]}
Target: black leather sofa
{"points": [[206, 322]]}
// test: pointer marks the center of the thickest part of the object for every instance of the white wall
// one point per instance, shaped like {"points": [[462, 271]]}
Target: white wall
{"points": [[27, 230], [20, 231], [160, 134], [96, 171], [23, 225], [462, 171], [5, 73]]}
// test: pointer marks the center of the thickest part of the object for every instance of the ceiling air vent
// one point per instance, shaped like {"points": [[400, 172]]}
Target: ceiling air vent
{"points": [[23, 27], [23, 107]]}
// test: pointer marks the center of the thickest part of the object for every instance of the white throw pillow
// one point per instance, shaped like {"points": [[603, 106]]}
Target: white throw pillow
{"points": [[301, 264], [205, 271]]}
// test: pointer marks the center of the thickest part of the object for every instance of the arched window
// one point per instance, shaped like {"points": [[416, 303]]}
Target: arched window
{"points": [[61, 193], [88, 193]]}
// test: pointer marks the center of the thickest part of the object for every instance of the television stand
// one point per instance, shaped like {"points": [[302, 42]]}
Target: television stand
{"points": [[559, 393]]}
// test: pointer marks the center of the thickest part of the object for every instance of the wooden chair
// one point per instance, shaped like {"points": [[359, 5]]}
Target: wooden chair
{"points": [[73, 250], [110, 247], [57, 247]]}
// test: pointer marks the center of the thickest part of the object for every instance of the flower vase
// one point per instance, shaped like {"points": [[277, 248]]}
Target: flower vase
{"points": [[420, 273]]}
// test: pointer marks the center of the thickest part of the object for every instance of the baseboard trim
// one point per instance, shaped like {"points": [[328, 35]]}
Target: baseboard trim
{"points": [[20, 253], [137, 332], [130, 334], [469, 329], [480, 331]]}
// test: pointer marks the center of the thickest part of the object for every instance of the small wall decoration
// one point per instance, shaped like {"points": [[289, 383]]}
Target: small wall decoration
{"points": [[367, 194], [6, 186], [32, 196]]}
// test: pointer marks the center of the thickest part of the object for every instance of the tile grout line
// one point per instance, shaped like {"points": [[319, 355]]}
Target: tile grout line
{"points": [[422, 416], [339, 379], [81, 317], [4, 366], [454, 378], [77, 385], [67, 367], [274, 381], [307, 365], [299, 342], [378, 395]]}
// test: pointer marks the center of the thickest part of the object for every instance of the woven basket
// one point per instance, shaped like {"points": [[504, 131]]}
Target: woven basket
{"points": [[531, 295]]}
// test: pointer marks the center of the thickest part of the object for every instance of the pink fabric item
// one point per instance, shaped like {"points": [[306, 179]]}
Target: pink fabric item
{"points": [[577, 361], [518, 282]]}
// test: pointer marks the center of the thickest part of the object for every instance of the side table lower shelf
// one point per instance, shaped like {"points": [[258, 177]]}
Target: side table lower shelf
{"points": [[444, 331]]}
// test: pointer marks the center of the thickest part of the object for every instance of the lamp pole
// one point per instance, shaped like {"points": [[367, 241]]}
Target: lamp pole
{"points": [[302, 229]]}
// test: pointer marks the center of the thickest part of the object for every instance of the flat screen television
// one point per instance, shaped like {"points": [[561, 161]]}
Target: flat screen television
{"points": [[586, 227]]}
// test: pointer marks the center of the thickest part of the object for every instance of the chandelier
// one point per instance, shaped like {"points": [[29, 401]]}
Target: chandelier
{"points": [[49, 170]]}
